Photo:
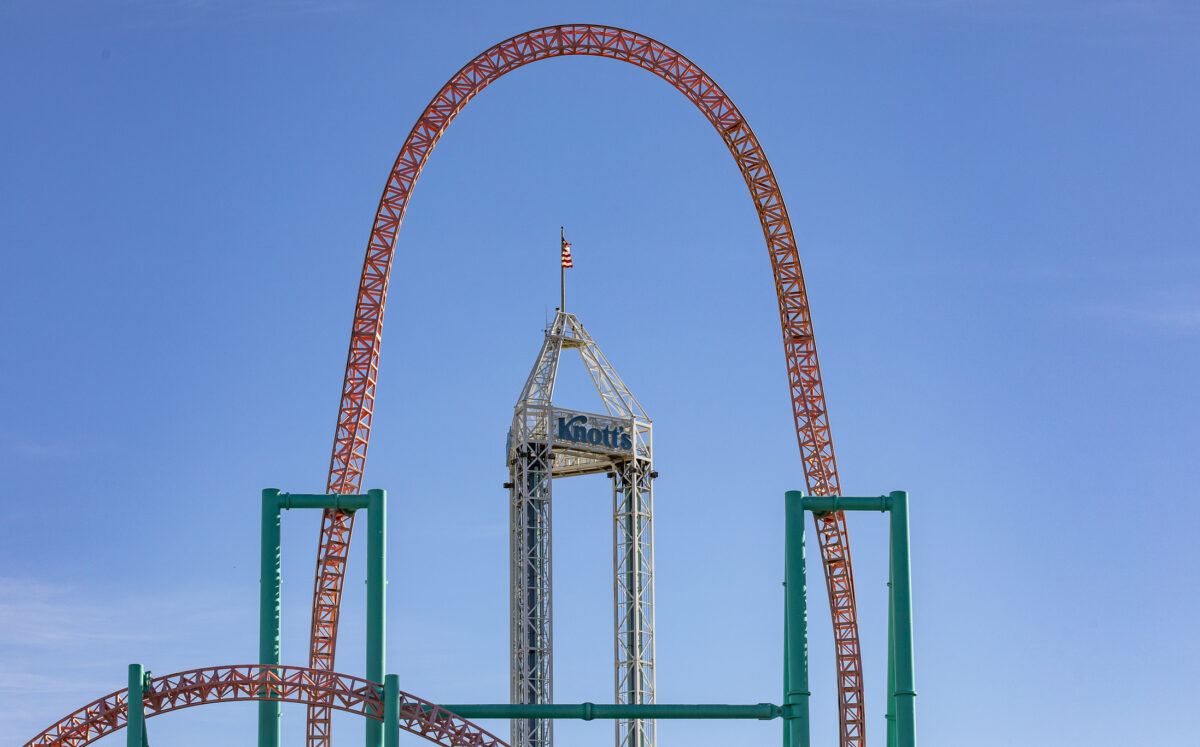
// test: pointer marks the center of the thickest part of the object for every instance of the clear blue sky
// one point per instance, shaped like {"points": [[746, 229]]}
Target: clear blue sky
{"points": [[996, 205]]}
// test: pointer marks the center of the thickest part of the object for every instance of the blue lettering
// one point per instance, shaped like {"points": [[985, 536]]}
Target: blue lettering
{"points": [[565, 428], [576, 430]]}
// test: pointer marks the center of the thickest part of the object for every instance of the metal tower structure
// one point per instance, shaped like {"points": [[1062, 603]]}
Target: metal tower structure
{"points": [[545, 442]]}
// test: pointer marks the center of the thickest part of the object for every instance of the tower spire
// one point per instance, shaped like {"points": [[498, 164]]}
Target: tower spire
{"points": [[562, 270]]}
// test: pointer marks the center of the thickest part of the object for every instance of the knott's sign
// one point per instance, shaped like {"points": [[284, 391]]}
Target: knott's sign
{"points": [[590, 432]]}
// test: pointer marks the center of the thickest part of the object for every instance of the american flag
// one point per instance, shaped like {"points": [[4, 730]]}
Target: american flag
{"points": [[566, 254]]}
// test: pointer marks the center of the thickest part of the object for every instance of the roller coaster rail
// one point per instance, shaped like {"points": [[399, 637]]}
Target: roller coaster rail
{"points": [[355, 410]]}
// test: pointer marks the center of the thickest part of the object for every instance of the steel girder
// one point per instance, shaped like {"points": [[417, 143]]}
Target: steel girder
{"points": [[353, 430], [531, 621], [633, 595]]}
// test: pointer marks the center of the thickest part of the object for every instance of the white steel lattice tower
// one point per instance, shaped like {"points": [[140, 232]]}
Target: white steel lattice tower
{"points": [[546, 442]]}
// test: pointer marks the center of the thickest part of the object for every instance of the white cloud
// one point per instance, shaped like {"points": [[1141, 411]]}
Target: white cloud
{"points": [[34, 614], [62, 646], [1177, 317]]}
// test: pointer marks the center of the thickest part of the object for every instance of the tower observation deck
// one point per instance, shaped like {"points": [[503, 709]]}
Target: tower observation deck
{"points": [[547, 442]]}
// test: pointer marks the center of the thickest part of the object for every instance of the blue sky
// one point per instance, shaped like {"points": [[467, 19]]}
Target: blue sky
{"points": [[995, 204]]}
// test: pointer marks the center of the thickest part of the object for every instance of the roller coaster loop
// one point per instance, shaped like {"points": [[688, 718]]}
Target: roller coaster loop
{"points": [[356, 406]]}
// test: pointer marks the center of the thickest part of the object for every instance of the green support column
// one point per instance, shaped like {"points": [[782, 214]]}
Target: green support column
{"points": [[787, 684], [795, 611], [376, 599], [269, 712], [891, 654], [135, 722], [905, 688], [391, 711]]}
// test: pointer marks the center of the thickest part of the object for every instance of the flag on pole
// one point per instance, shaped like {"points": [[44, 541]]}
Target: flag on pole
{"points": [[566, 254]]}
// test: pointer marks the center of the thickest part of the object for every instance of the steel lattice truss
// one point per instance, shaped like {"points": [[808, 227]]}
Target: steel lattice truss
{"points": [[633, 558], [530, 611], [255, 682], [804, 377], [541, 448]]}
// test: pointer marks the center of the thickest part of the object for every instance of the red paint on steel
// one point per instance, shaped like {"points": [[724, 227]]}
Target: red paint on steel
{"points": [[249, 682], [804, 374]]}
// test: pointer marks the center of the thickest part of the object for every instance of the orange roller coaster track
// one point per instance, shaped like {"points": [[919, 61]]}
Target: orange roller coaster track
{"points": [[255, 682], [804, 375]]}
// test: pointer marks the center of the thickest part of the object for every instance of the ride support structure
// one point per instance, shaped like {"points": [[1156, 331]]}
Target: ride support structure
{"points": [[547, 442], [389, 711]]}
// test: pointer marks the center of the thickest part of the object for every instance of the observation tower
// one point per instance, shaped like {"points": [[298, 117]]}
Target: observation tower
{"points": [[547, 442]]}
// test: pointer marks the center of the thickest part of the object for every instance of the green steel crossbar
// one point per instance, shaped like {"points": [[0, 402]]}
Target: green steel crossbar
{"points": [[590, 711], [339, 502], [827, 504]]}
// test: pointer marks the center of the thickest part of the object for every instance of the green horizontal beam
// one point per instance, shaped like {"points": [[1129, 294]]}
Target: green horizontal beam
{"points": [[589, 711], [825, 504], [336, 501]]}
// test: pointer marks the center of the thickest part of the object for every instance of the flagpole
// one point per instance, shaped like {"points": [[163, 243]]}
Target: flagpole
{"points": [[562, 274]]}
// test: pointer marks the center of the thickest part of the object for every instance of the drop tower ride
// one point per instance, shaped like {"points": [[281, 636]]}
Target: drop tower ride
{"points": [[547, 442]]}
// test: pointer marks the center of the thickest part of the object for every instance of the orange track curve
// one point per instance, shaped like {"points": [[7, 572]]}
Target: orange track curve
{"points": [[254, 682], [804, 376]]}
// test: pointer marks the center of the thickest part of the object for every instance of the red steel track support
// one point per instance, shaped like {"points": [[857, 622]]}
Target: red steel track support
{"points": [[804, 374], [251, 682]]}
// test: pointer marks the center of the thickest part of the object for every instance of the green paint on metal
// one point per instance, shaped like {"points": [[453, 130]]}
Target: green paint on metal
{"points": [[376, 599], [825, 504], [336, 501], [787, 680], [890, 714], [145, 692], [391, 711], [269, 712], [906, 709], [135, 717], [590, 711], [795, 614]]}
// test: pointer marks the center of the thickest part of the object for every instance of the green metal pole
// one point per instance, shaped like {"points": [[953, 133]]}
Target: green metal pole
{"points": [[906, 709], [795, 699], [891, 670], [592, 711], [787, 682], [135, 715], [787, 662], [391, 711], [269, 712], [376, 598]]}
